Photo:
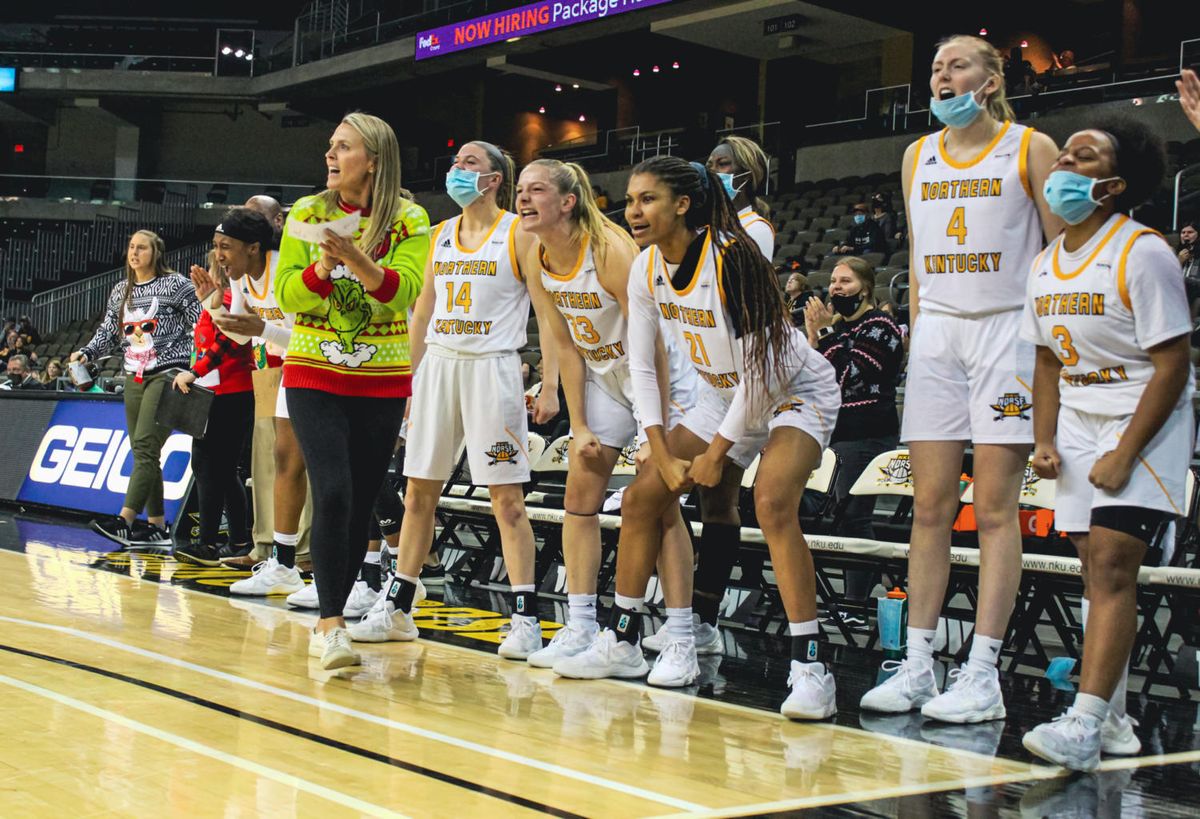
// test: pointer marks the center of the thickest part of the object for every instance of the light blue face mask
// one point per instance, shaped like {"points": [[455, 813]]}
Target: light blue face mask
{"points": [[1069, 195], [860, 218], [960, 111], [463, 185], [727, 183]]}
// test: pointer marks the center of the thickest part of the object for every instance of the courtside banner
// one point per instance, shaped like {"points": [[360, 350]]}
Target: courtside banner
{"points": [[83, 461], [521, 22]]}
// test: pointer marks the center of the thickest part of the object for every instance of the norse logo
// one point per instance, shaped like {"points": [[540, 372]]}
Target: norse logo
{"points": [[811, 652], [629, 455], [898, 472], [560, 452], [1029, 484], [502, 452], [1012, 405], [790, 406], [623, 622]]}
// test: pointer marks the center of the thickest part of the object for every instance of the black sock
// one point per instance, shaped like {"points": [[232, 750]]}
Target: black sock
{"points": [[387, 560], [718, 551], [401, 594], [627, 624], [525, 603], [286, 555], [372, 574], [809, 648]]}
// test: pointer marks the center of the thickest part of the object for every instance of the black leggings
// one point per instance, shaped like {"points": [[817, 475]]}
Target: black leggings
{"points": [[215, 460], [347, 443]]}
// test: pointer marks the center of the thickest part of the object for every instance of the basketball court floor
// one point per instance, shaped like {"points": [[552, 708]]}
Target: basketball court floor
{"points": [[131, 685]]}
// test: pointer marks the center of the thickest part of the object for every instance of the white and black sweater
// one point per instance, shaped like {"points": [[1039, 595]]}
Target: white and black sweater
{"points": [[154, 331]]}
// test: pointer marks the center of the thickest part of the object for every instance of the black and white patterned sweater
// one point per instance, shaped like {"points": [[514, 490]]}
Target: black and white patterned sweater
{"points": [[154, 331]]}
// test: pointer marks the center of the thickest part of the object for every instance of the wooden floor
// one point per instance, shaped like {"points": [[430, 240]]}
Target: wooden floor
{"points": [[122, 696]]}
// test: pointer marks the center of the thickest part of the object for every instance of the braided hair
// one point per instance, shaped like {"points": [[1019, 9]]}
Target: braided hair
{"points": [[764, 317]]}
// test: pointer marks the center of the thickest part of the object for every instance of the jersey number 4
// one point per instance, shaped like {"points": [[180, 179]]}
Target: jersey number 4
{"points": [[462, 299], [958, 225]]}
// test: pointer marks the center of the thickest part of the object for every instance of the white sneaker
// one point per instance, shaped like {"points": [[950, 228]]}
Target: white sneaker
{"points": [[1117, 737], [269, 577], [605, 657], [906, 690], [814, 695], [338, 652], [972, 697], [524, 638], [567, 642], [708, 638], [362, 598], [676, 665], [306, 598], [1072, 740], [381, 625]]}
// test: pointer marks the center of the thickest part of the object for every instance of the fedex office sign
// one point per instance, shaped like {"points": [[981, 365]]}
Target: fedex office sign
{"points": [[520, 22], [84, 461]]}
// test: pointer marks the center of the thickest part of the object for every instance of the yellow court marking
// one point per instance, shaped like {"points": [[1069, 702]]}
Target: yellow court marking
{"points": [[203, 750], [447, 703]]}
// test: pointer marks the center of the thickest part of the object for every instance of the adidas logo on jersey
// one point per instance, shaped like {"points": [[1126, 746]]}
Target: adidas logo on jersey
{"points": [[659, 281], [1002, 156], [445, 243], [931, 161]]}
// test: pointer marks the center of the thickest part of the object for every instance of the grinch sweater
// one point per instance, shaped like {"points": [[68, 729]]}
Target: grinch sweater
{"points": [[349, 340]]}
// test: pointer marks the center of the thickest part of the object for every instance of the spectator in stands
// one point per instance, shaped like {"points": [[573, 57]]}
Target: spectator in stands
{"points": [[884, 216], [21, 347], [865, 347], [866, 236], [19, 375], [53, 371], [798, 293], [601, 197], [149, 316], [1189, 261], [269, 207], [27, 329]]}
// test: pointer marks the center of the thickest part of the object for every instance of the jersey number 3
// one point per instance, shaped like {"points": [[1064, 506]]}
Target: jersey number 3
{"points": [[463, 299], [1066, 353], [958, 225]]}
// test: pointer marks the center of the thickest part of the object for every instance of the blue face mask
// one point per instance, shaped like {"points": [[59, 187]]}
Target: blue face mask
{"points": [[727, 182], [957, 112], [1069, 195], [859, 218], [463, 186]]}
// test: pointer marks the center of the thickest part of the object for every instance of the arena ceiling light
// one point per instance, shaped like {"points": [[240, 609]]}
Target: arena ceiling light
{"points": [[500, 63]]}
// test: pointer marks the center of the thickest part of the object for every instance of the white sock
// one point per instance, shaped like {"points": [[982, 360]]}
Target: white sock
{"points": [[679, 624], [1092, 705], [628, 603], [372, 557], [581, 609], [1116, 705], [802, 628], [985, 652], [524, 587], [920, 648], [287, 540]]}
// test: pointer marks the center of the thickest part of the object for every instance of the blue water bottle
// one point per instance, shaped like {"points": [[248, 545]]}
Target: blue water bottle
{"points": [[892, 613]]}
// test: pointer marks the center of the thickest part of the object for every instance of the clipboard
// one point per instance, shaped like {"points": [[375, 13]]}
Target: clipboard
{"points": [[186, 413]]}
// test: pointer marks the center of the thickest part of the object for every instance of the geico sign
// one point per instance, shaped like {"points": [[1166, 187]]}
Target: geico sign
{"points": [[94, 457]]}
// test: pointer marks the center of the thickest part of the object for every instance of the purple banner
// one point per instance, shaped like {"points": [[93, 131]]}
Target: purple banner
{"points": [[520, 22]]}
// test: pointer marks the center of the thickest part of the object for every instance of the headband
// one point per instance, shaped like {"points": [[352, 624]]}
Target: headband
{"points": [[1115, 142], [241, 232], [494, 153]]}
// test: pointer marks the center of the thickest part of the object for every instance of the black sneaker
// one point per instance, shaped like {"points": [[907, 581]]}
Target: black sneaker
{"points": [[433, 575], [198, 554], [115, 529], [147, 534], [229, 551]]}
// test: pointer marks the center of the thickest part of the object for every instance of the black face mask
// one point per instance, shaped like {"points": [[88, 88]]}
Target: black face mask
{"points": [[846, 305]]}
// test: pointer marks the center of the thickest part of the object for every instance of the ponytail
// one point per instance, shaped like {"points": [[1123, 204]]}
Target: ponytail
{"points": [[587, 218], [501, 161]]}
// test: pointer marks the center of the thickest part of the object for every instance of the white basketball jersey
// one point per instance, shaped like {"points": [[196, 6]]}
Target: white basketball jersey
{"points": [[975, 227], [695, 316], [480, 303], [1099, 312], [259, 298], [597, 327], [760, 231]]}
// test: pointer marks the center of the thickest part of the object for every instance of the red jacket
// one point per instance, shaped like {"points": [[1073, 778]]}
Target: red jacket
{"points": [[216, 351]]}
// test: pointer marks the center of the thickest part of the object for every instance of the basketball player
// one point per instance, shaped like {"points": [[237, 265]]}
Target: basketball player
{"points": [[585, 259], [469, 323], [1112, 409], [762, 383], [977, 218], [742, 166]]}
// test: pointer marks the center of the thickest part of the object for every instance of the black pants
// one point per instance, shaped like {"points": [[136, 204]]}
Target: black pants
{"points": [[347, 443], [215, 461], [856, 510]]}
